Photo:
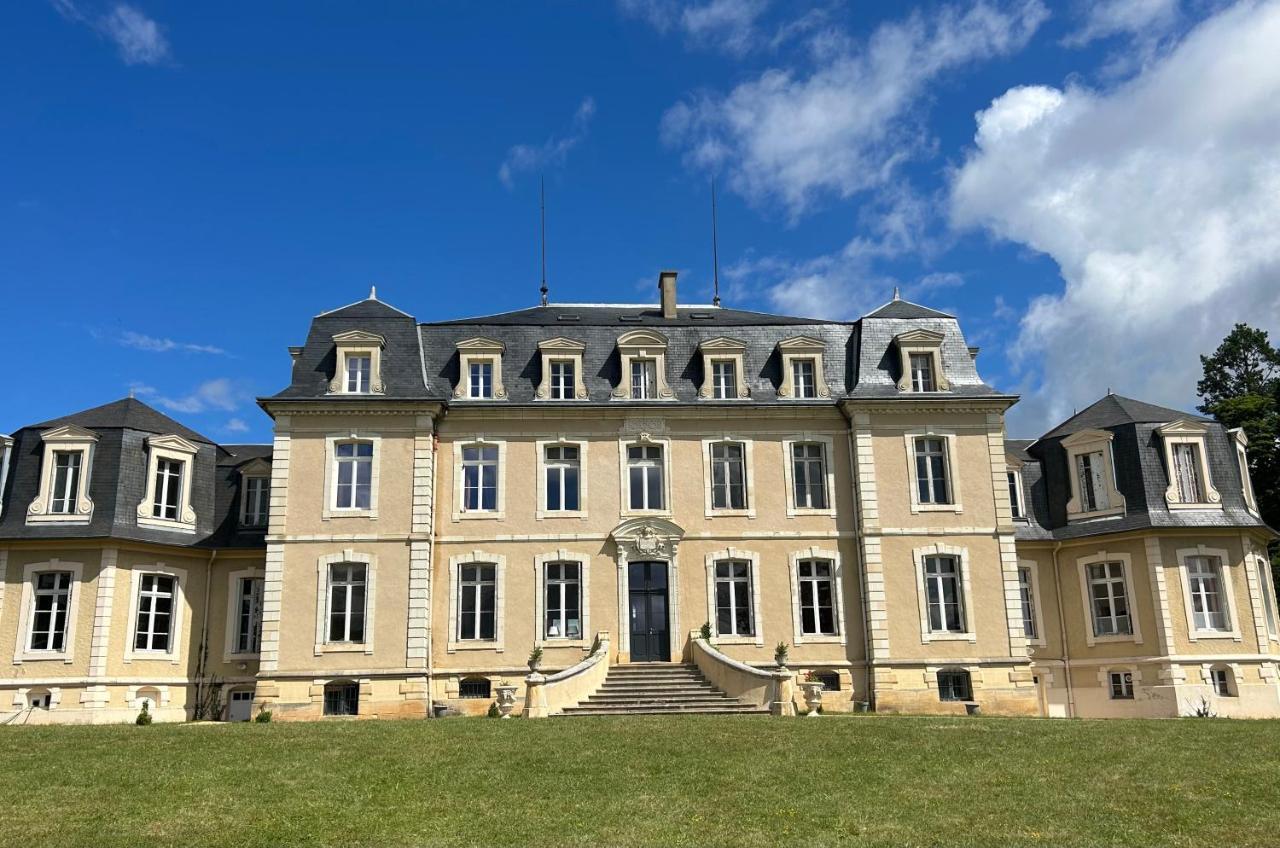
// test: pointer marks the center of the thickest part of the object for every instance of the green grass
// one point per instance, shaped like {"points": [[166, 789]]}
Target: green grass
{"points": [[700, 781]]}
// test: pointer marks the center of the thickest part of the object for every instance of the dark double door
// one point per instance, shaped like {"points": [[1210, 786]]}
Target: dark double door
{"points": [[650, 622]]}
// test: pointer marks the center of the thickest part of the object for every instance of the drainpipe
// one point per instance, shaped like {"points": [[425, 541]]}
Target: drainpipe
{"points": [[204, 623], [431, 569], [1062, 631]]}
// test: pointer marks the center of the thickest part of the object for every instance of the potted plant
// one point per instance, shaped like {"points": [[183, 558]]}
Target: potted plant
{"points": [[780, 655], [704, 633], [506, 697], [812, 689], [535, 659]]}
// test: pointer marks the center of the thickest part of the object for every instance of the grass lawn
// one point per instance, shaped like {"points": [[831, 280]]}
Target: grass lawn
{"points": [[694, 780]]}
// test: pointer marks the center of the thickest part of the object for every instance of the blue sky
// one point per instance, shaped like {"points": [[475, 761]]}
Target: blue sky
{"points": [[1091, 188]]}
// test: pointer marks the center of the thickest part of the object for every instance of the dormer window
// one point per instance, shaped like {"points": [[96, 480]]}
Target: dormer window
{"points": [[255, 494], [1092, 476], [1017, 505], [1242, 460], [922, 373], [802, 375], [167, 503], [561, 370], [168, 489], [644, 379], [562, 379], [921, 361], [724, 379], [1090, 468], [643, 359], [66, 482], [803, 383], [63, 497], [722, 369], [359, 363], [480, 370], [481, 380], [1190, 486]]}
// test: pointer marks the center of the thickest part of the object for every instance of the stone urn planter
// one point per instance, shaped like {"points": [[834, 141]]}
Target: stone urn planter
{"points": [[535, 659], [506, 699], [812, 692], [780, 656]]}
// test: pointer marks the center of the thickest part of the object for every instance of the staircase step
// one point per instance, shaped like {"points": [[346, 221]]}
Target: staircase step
{"points": [[659, 689], [659, 709]]}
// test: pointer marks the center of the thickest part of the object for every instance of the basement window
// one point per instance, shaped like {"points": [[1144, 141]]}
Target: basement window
{"points": [[474, 687]]}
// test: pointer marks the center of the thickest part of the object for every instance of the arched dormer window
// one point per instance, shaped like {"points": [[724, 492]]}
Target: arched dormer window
{"points": [[643, 354]]}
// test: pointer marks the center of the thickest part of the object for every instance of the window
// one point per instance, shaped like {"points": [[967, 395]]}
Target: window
{"points": [[1204, 579], [354, 476], [931, 471], [829, 679], [1221, 680], [477, 602], [341, 699], [51, 600], [728, 477], [347, 598], [1267, 586], [724, 379], [475, 687], [1121, 685], [563, 468], [155, 613], [954, 685], [803, 378], [644, 379], [480, 478], [66, 482], [817, 597], [944, 594], [359, 373], [922, 373], [168, 490], [644, 474], [257, 492], [1090, 468], [1016, 508], [1242, 459], [481, 379], [1027, 593], [1186, 472], [563, 600], [40, 699], [809, 475], [734, 615], [248, 615], [1109, 601], [563, 383]]}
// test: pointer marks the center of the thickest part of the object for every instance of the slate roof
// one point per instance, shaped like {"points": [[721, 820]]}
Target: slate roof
{"points": [[905, 309], [1113, 410], [127, 413]]}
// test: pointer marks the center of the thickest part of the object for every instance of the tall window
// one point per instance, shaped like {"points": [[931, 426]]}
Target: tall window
{"points": [[563, 600], [347, 599], [480, 478], [477, 602], [1186, 472], [66, 481], [563, 385], [1121, 685], [257, 491], [734, 616], [168, 496], [724, 379], [1268, 594], [804, 381], [644, 473], [944, 594], [922, 373], [809, 475], [1026, 591], [954, 685], [248, 615], [481, 380], [563, 467], [359, 368], [52, 599], [1093, 489], [1109, 600], [817, 597], [1208, 607], [931, 471], [1015, 496], [355, 475], [644, 379], [728, 478], [155, 612]]}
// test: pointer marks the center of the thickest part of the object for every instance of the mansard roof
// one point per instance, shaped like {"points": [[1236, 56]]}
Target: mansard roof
{"points": [[906, 310], [1115, 410], [126, 413], [630, 315]]}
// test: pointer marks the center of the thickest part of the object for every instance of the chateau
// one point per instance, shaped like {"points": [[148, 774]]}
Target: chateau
{"points": [[609, 483]]}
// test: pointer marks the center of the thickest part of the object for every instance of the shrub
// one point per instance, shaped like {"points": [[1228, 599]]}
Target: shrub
{"points": [[263, 717], [144, 717], [494, 712], [705, 631], [595, 646], [535, 657]]}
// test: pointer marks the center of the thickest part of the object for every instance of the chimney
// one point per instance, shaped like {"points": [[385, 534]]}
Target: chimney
{"points": [[667, 285]]}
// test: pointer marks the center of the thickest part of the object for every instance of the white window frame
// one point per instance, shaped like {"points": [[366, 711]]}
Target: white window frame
{"points": [[1184, 432], [1226, 588], [1020, 498], [66, 439], [802, 347], [358, 343], [27, 610], [1271, 614], [479, 350], [231, 647], [1037, 607], [799, 637], [788, 468], [752, 558], [174, 654], [561, 350], [562, 441], [499, 563], [948, 437], [723, 350], [748, 479], [642, 344], [329, 508], [644, 440], [323, 564], [1241, 443], [1135, 681], [927, 635], [460, 512], [540, 563], [1232, 677], [921, 342], [1131, 598], [1085, 442], [175, 449], [257, 469]]}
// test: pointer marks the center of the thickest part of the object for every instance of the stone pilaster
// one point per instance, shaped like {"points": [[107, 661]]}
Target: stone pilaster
{"points": [[273, 578], [95, 696]]}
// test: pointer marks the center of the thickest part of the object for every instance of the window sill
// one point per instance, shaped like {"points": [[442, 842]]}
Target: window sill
{"points": [[820, 639], [167, 524], [475, 645], [1124, 637], [60, 518], [477, 516], [1201, 506], [739, 640], [1116, 512], [561, 642], [729, 513], [43, 656], [950, 637], [646, 513], [931, 507], [800, 512], [560, 513], [343, 648], [337, 512], [1196, 635], [151, 656]]}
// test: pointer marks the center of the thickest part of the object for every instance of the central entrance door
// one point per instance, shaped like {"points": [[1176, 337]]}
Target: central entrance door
{"points": [[650, 627]]}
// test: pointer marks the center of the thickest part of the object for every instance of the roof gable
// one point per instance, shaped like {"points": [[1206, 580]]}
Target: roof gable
{"points": [[127, 414], [905, 309]]}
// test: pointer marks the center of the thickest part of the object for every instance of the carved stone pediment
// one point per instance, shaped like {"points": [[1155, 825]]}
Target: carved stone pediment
{"points": [[647, 538]]}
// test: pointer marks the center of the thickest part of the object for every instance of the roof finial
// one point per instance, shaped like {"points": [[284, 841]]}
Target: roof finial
{"points": [[373, 292], [715, 251], [542, 207], [897, 295]]}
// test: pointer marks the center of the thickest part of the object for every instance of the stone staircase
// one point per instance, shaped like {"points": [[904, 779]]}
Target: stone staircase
{"points": [[659, 689]]}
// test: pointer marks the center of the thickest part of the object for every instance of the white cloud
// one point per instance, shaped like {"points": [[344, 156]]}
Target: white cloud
{"points": [[129, 338], [217, 394], [1106, 18], [728, 25], [139, 39], [844, 127], [236, 425], [1158, 199], [552, 152]]}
